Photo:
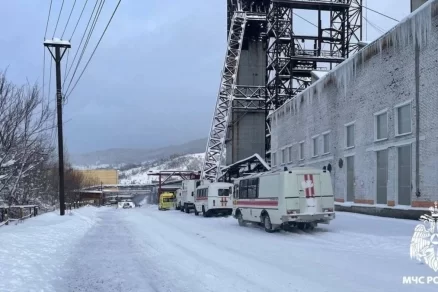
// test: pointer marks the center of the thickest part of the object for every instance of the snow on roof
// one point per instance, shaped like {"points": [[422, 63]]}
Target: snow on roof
{"points": [[318, 74], [416, 26]]}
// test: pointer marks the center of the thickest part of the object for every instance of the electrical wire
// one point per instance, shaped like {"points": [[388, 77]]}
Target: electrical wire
{"points": [[68, 20], [85, 31], [59, 15], [48, 17], [90, 32], [80, 16], [44, 52], [380, 13], [97, 45], [376, 27]]}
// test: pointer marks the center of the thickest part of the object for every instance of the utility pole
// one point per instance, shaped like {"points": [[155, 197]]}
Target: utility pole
{"points": [[57, 45]]}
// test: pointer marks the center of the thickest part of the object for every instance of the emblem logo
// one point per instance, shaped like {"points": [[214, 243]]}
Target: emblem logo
{"points": [[424, 243], [307, 185]]}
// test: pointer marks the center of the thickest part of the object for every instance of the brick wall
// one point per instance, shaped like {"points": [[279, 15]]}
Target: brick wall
{"points": [[378, 78]]}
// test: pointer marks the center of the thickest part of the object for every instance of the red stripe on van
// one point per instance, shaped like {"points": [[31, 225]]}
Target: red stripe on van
{"points": [[257, 203]]}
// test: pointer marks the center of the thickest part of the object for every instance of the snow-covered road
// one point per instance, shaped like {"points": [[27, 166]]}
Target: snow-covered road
{"points": [[147, 250]]}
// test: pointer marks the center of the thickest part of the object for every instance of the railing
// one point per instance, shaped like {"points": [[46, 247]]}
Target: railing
{"points": [[33, 211]]}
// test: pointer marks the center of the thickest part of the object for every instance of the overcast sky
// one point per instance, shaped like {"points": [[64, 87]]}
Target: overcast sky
{"points": [[153, 80]]}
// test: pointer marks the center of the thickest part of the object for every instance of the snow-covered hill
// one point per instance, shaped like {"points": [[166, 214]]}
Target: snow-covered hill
{"points": [[139, 175]]}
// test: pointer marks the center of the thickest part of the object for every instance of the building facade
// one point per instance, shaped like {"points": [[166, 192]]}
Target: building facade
{"points": [[372, 121]]}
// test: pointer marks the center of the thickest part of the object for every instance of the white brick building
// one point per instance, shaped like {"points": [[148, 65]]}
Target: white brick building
{"points": [[361, 118]]}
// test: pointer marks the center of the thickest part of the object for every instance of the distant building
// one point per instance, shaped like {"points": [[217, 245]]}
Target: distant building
{"points": [[101, 176]]}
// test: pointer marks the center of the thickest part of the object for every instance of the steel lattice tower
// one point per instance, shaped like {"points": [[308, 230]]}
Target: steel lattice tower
{"points": [[288, 63]]}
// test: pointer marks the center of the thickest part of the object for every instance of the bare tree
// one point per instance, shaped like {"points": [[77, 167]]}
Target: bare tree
{"points": [[24, 122]]}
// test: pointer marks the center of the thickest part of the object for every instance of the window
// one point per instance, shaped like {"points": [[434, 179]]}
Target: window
{"points": [[404, 119], [349, 131], [291, 155], [302, 151], [325, 143], [274, 159], [243, 189], [381, 126], [315, 146], [283, 156], [223, 192], [249, 188]]}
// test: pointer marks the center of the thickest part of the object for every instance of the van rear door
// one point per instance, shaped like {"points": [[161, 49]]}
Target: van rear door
{"points": [[309, 186]]}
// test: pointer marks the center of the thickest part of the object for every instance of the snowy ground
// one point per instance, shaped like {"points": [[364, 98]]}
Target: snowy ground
{"points": [[144, 249], [33, 252]]}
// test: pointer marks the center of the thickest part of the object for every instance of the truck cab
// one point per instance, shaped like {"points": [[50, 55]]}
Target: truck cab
{"points": [[188, 195]]}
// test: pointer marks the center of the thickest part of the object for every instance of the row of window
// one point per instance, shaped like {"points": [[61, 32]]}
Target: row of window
{"points": [[403, 126]]}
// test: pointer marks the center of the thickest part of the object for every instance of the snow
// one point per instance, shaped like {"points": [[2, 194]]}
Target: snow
{"points": [[32, 252], [8, 163], [144, 249], [56, 41], [319, 74], [416, 27], [139, 175]]}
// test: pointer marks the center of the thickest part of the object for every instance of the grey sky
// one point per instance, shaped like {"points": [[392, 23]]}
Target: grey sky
{"points": [[154, 78]]}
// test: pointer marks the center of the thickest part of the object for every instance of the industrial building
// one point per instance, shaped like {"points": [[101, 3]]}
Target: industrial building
{"points": [[101, 176], [372, 121]]}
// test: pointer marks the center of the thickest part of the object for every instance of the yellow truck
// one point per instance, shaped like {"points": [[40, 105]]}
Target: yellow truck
{"points": [[167, 201]]}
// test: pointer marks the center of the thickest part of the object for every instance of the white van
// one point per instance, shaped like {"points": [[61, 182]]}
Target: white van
{"points": [[178, 199], [214, 198], [188, 195], [299, 197]]}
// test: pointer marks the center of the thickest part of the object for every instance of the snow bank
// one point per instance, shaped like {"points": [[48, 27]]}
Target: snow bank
{"points": [[31, 253]]}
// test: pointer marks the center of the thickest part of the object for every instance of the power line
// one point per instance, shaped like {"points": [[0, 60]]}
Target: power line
{"points": [[376, 27], [44, 69], [59, 15], [90, 32], [50, 78], [68, 20], [80, 16], [44, 54], [48, 17], [97, 45], [86, 28], [380, 13]]}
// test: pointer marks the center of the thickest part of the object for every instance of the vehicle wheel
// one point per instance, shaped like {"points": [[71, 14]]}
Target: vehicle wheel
{"points": [[267, 224], [203, 212], [196, 212], [181, 208], [240, 219], [186, 209]]}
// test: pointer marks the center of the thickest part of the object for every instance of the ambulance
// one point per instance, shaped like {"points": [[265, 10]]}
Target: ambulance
{"points": [[214, 198], [187, 202], [167, 201], [299, 197]]}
